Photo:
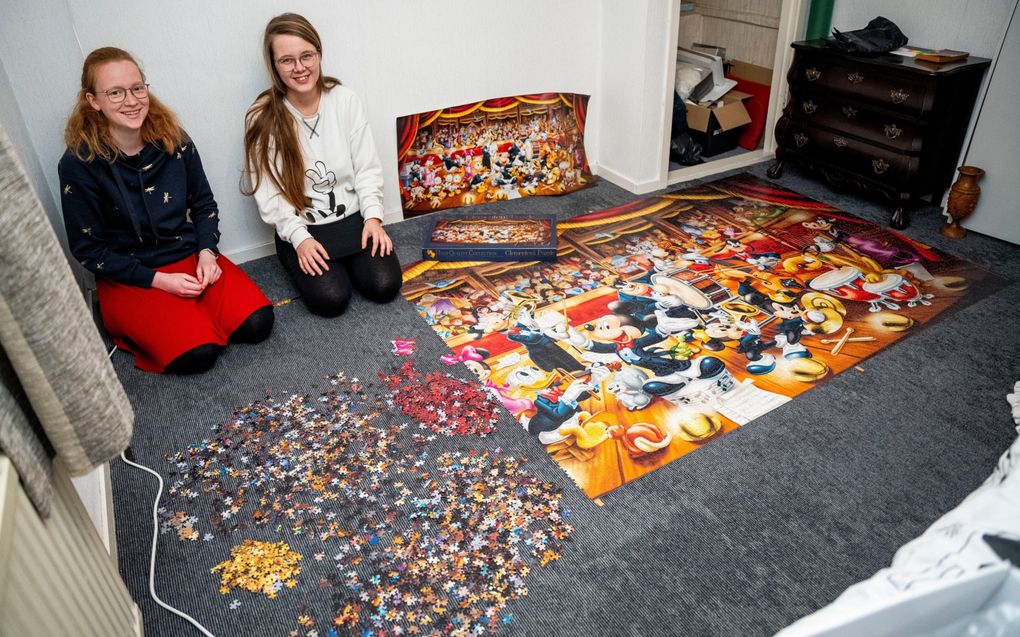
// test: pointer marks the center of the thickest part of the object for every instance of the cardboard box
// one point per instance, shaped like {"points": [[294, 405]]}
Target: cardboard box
{"points": [[750, 72], [717, 127], [756, 80]]}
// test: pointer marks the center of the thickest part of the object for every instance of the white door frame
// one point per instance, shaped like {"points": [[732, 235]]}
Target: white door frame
{"points": [[792, 20]]}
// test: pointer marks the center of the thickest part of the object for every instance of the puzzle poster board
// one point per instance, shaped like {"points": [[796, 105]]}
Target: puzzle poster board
{"points": [[497, 149], [668, 322]]}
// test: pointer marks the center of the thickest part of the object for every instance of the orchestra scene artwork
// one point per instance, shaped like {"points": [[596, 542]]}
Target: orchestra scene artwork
{"points": [[498, 149], [669, 321]]}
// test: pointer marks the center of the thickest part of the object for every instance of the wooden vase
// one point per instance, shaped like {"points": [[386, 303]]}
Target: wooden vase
{"points": [[963, 197]]}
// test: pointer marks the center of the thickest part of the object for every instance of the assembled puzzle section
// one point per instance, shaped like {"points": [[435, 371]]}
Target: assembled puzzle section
{"points": [[669, 321]]}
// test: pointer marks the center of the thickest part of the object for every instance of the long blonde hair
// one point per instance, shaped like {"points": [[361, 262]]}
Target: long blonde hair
{"points": [[87, 133], [270, 137]]}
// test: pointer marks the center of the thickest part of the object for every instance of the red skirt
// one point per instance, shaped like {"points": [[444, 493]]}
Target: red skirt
{"points": [[157, 326]]}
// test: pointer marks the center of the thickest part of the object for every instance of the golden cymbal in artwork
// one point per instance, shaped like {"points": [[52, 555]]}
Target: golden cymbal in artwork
{"points": [[952, 283], [808, 370], [824, 313], [819, 301], [699, 427], [739, 308], [895, 322]]}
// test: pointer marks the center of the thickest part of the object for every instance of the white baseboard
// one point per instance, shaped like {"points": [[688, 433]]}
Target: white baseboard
{"points": [[96, 494], [252, 252], [710, 168], [636, 187]]}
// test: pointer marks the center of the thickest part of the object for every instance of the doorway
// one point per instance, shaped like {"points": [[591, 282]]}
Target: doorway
{"points": [[753, 39]]}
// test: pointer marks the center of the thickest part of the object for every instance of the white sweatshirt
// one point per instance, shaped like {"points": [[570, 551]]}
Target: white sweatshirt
{"points": [[342, 170]]}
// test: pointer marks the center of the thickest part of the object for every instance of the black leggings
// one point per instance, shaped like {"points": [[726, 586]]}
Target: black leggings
{"points": [[196, 360], [376, 278], [254, 329]]}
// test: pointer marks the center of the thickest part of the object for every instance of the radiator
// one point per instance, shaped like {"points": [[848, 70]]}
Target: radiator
{"points": [[56, 577]]}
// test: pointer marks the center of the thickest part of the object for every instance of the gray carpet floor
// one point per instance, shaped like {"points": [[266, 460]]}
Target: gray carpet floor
{"points": [[742, 537]]}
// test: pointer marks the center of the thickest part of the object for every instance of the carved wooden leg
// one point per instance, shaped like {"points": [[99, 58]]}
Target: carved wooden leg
{"points": [[775, 171]]}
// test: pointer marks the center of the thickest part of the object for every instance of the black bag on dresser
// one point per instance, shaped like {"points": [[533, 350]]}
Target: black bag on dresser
{"points": [[880, 36]]}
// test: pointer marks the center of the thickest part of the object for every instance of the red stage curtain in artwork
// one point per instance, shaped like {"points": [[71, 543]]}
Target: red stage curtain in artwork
{"points": [[539, 98], [460, 111], [777, 196], [498, 104], [408, 129], [408, 126], [580, 106]]}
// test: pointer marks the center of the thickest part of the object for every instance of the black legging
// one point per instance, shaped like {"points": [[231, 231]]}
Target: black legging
{"points": [[376, 278], [195, 361], [254, 329]]}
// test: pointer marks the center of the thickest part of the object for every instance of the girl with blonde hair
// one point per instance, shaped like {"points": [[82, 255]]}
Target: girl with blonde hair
{"points": [[140, 215], [315, 175]]}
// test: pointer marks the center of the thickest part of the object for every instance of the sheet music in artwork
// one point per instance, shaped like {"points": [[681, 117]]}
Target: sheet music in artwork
{"points": [[747, 402]]}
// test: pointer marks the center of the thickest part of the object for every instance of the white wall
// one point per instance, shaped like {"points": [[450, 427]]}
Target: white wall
{"points": [[994, 146], [975, 26], [13, 123], [636, 93], [203, 59]]}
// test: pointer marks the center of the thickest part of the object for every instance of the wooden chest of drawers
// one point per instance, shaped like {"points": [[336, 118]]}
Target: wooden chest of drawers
{"points": [[888, 124]]}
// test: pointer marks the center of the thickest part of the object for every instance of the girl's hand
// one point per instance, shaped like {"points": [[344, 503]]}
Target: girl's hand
{"points": [[208, 271], [380, 240], [312, 257], [178, 284]]}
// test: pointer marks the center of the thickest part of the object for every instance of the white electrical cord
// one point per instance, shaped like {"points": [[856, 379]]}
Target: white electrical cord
{"points": [[152, 558], [155, 539]]}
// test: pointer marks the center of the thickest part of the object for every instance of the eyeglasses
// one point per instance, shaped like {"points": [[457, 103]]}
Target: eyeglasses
{"points": [[117, 95], [307, 59]]}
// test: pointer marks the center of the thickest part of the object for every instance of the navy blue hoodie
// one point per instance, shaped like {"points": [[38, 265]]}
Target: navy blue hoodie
{"points": [[125, 218]]}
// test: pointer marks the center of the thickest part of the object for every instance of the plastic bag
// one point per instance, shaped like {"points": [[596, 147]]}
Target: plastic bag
{"points": [[880, 36], [682, 149]]}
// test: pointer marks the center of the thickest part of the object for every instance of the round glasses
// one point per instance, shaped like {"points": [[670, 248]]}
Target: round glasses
{"points": [[307, 59], [117, 95]]}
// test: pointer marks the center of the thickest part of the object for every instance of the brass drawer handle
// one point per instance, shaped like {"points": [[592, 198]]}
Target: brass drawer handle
{"points": [[879, 165], [812, 74], [800, 139], [809, 107], [899, 96], [849, 111], [840, 142], [855, 77], [892, 131]]}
